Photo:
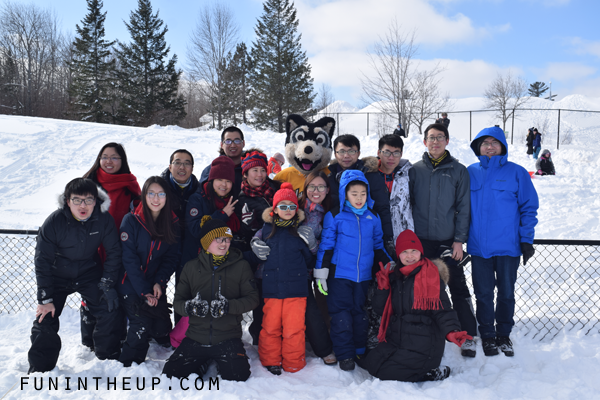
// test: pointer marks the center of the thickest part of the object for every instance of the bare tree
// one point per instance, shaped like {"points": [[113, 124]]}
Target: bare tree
{"points": [[427, 100], [506, 94], [214, 36], [324, 99], [197, 104]]}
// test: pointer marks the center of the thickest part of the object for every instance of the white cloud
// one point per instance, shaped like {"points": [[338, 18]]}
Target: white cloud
{"points": [[565, 71], [582, 46]]}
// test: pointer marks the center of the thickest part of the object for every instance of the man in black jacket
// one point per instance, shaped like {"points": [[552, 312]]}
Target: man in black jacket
{"points": [[66, 261], [232, 146]]}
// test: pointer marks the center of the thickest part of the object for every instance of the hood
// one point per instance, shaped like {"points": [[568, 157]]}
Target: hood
{"points": [[494, 132], [546, 151], [348, 176], [102, 202]]}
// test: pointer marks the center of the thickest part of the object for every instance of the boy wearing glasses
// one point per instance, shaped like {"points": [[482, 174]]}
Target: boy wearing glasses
{"points": [[232, 145], [66, 261], [440, 199]]}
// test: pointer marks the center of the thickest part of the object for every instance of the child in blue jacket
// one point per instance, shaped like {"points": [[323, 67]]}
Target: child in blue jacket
{"points": [[351, 240]]}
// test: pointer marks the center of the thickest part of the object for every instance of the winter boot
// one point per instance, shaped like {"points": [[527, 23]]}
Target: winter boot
{"points": [[360, 359], [347, 364], [490, 348], [438, 374], [330, 359], [274, 369], [505, 345], [468, 348]]}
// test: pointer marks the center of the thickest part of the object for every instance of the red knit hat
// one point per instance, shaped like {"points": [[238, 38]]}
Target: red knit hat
{"points": [[222, 167], [408, 240], [286, 192], [254, 159]]}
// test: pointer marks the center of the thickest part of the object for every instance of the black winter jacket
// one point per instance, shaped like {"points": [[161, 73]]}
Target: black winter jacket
{"points": [[180, 196], [67, 249]]}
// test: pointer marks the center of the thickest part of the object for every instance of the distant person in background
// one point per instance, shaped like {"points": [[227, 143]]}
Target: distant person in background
{"points": [[232, 146], [529, 141], [399, 131], [275, 164], [544, 164], [444, 120], [537, 143]]}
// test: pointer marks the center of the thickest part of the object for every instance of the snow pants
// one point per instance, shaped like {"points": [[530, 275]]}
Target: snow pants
{"points": [[45, 342], [316, 327], [190, 356], [349, 322], [141, 329], [282, 341]]}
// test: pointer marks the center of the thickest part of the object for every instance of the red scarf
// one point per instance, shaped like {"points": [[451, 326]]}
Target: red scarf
{"points": [[426, 290], [265, 190], [115, 185], [220, 203]]}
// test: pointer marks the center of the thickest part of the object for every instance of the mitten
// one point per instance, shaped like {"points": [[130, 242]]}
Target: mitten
{"points": [[196, 307]]}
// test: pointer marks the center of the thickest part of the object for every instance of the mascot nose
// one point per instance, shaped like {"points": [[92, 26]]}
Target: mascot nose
{"points": [[308, 149]]}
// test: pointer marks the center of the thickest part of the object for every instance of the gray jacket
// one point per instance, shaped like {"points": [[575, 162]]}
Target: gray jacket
{"points": [[440, 199]]}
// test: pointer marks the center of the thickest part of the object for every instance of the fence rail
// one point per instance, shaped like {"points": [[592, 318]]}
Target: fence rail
{"points": [[558, 289]]}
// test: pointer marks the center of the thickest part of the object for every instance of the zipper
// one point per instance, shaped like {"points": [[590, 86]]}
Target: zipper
{"points": [[359, 248]]}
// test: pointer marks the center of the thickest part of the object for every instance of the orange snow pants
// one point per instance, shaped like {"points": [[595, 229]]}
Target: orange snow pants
{"points": [[281, 340]]}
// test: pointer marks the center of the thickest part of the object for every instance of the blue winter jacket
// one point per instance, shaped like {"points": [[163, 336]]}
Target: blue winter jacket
{"points": [[145, 261], [351, 242], [504, 202]]}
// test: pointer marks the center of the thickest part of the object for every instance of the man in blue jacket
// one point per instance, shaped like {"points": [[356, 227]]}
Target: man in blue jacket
{"points": [[504, 207]]}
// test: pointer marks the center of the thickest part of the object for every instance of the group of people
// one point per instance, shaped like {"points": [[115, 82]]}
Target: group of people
{"points": [[543, 164], [355, 260]]}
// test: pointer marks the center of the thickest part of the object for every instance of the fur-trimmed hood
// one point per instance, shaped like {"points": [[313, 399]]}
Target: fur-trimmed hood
{"points": [[366, 164], [268, 218], [103, 200], [443, 268]]}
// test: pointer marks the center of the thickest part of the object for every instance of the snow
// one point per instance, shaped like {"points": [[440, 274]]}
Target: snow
{"points": [[38, 156]]}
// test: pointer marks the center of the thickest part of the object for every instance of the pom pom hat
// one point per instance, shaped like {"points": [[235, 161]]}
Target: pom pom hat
{"points": [[212, 229], [286, 192]]}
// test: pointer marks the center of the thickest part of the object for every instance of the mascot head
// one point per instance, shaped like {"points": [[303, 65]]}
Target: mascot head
{"points": [[308, 145]]}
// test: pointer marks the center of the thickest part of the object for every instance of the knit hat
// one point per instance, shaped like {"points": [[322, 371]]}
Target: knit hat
{"points": [[408, 240], [254, 159], [279, 157], [211, 229], [222, 168], [286, 192]]}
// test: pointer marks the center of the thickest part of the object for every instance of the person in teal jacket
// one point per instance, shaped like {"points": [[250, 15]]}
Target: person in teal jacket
{"points": [[504, 207]]}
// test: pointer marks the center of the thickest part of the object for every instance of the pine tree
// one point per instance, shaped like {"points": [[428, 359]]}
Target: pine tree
{"points": [[91, 67], [281, 76], [236, 89], [149, 86], [537, 89]]}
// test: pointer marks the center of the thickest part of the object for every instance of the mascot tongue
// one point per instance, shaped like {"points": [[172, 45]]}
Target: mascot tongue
{"points": [[307, 166]]}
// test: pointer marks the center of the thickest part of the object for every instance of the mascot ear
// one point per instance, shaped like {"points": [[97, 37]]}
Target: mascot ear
{"points": [[327, 124], [293, 121]]}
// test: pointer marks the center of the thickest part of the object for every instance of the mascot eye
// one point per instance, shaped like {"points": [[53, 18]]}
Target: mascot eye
{"points": [[322, 140], [298, 136]]}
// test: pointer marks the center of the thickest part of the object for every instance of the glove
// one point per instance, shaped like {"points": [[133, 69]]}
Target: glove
{"points": [[321, 275], [458, 338], [383, 275], [539, 171], [307, 234], [528, 252], [196, 307], [220, 306], [260, 248], [109, 294]]}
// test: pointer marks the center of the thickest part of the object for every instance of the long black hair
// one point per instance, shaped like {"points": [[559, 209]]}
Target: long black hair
{"points": [[163, 228], [91, 174]]}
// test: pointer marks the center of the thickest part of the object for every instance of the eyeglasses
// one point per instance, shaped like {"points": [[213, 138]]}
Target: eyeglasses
{"points": [[432, 139], [285, 207], [313, 188], [229, 141], [161, 195], [396, 154], [493, 143], [186, 164], [344, 152], [88, 201], [223, 240], [113, 159]]}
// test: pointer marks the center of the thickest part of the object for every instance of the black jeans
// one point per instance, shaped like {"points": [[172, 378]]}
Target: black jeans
{"points": [[316, 328]]}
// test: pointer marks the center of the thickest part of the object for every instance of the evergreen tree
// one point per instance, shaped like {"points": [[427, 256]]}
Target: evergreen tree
{"points": [[236, 89], [537, 89], [281, 75], [149, 85], [90, 67]]}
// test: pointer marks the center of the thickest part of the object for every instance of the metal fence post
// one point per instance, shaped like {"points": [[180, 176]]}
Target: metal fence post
{"points": [[338, 124], [512, 130], [367, 124], [558, 132], [470, 125]]}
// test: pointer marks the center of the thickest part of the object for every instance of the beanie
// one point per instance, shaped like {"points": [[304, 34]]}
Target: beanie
{"points": [[222, 168], [408, 240], [254, 159], [286, 192], [279, 157], [211, 229]]}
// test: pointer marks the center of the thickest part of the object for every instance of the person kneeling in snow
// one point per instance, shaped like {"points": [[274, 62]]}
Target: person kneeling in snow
{"points": [[214, 290], [544, 164], [416, 316]]}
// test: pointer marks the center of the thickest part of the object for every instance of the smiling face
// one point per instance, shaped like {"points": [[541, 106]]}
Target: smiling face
{"points": [[154, 201], [256, 176], [410, 256], [218, 249], [233, 150], [436, 148], [287, 214], [222, 187], [356, 194], [389, 162], [490, 147], [110, 161], [346, 160], [314, 195], [181, 173], [81, 211]]}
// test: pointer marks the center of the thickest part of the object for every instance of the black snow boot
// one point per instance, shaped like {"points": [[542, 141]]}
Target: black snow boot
{"points": [[490, 348], [274, 369], [438, 374], [347, 364], [505, 345]]}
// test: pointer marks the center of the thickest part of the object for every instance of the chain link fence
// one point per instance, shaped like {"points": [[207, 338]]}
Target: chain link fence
{"points": [[558, 289]]}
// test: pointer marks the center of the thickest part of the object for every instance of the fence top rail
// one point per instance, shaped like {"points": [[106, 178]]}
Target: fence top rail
{"points": [[18, 232], [459, 112]]}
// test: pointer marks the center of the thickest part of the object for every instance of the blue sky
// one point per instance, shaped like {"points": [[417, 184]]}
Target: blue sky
{"points": [[538, 40]]}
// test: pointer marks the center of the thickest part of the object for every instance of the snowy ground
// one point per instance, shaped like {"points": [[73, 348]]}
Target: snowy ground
{"points": [[38, 156]]}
